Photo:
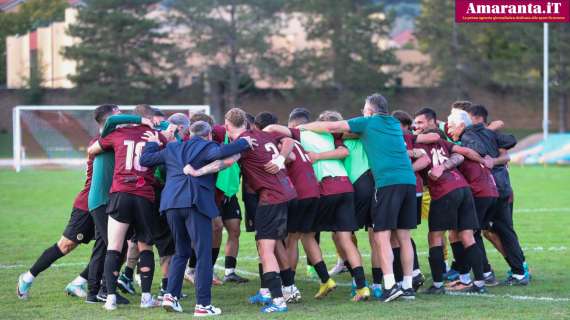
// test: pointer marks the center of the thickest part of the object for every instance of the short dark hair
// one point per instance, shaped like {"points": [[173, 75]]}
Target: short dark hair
{"points": [[144, 110], [201, 116], [250, 118], [300, 114], [461, 104], [103, 111], [158, 113], [265, 118], [429, 113], [378, 102], [479, 110], [404, 117]]}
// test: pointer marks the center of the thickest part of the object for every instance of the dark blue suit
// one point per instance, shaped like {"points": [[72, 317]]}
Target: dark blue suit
{"points": [[189, 205]]}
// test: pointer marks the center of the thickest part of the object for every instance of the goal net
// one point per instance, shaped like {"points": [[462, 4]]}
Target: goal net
{"points": [[58, 135]]}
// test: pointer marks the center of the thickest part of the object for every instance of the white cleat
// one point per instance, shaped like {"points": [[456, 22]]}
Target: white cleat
{"points": [[292, 294], [338, 269], [189, 275], [206, 311], [111, 303], [149, 302], [170, 303], [74, 290]]}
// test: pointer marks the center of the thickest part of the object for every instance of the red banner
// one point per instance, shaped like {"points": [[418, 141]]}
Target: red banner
{"points": [[473, 11]]}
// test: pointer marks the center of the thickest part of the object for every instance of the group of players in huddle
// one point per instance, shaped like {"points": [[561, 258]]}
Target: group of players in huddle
{"points": [[373, 173]]}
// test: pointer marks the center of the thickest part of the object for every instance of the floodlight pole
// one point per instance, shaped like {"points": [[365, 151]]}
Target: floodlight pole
{"points": [[545, 85]]}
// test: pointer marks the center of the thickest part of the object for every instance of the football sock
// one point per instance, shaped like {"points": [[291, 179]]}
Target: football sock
{"points": [[79, 281], [416, 260], [397, 265], [287, 277], [377, 275], [49, 256], [389, 281], [164, 283], [230, 265], [84, 275], [461, 265], [359, 278], [261, 279], [215, 254], [407, 282], [112, 264], [273, 282], [321, 269], [436, 263], [129, 272], [192, 260], [347, 265], [146, 260], [473, 258]]}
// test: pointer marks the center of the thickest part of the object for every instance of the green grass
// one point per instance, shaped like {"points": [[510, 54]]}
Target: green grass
{"points": [[36, 205]]}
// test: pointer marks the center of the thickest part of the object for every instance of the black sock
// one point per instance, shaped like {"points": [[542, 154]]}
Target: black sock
{"points": [[112, 265], [397, 265], [146, 260], [273, 282], [481, 245], [192, 260], [459, 255], [164, 283], [215, 254], [321, 269], [287, 277], [347, 265], [85, 273], [129, 272], [318, 237], [262, 283], [230, 262], [377, 275], [359, 278], [474, 259], [49, 256], [436, 263], [416, 260]]}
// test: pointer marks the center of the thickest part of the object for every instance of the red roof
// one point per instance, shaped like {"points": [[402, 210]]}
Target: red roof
{"points": [[404, 37]]}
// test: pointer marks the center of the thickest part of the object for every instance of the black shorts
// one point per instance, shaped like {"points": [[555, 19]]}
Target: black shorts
{"points": [[394, 207], [484, 209], [271, 221], [229, 209], [302, 214], [419, 202], [137, 211], [336, 213], [250, 201], [363, 195], [454, 211], [80, 228]]}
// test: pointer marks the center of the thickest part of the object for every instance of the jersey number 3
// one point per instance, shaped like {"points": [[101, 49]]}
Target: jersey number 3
{"points": [[133, 155]]}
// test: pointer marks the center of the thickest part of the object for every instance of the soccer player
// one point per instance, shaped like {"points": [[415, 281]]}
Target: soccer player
{"points": [[80, 229], [336, 204], [131, 203], [452, 207]]}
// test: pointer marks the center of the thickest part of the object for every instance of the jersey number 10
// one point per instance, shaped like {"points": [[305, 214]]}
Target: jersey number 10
{"points": [[133, 155]]}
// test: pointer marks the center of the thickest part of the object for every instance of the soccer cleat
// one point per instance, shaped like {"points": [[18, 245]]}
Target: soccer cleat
{"points": [[526, 269], [338, 269], [433, 290], [457, 286], [233, 277], [391, 294], [473, 289], [92, 298], [362, 294], [110, 303], [418, 281], [161, 294], [259, 298], [147, 301], [206, 311], [125, 284], [376, 291], [73, 290], [23, 288], [325, 288], [216, 281], [451, 275], [292, 294], [491, 280], [312, 273], [408, 294], [189, 275], [512, 281], [274, 307], [171, 304], [119, 299]]}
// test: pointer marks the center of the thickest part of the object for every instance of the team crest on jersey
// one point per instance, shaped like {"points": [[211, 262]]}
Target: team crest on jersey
{"points": [[80, 236]]}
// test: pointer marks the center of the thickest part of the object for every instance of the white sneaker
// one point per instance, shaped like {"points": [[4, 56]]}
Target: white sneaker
{"points": [[111, 303], [147, 301], [189, 275], [206, 311], [291, 294], [338, 269], [170, 303]]}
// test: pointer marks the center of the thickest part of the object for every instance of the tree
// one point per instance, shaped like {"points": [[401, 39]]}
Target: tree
{"points": [[233, 38], [560, 66], [31, 15], [122, 55], [352, 61]]}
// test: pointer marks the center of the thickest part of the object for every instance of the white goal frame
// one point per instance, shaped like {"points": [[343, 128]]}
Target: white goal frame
{"points": [[20, 161]]}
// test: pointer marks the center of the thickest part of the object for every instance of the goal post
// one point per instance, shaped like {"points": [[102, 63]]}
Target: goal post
{"points": [[58, 135]]}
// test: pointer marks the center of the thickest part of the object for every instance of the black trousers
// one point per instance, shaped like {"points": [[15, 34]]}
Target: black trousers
{"points": [[502, 225]]}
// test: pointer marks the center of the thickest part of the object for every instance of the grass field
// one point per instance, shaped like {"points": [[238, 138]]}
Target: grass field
{"points": [[35, 206]]}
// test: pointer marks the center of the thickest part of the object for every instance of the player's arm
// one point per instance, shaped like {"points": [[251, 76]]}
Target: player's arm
{"points": [[212, 167], [421, 163], [454, 160], [276, 128], [350, 136], [118, 119], [217, 152], [151, 154], [472, 155], [278, 163], [503, 158], [427, 138], [338, 153], [496, 125], [95, 149], [326, 126]]}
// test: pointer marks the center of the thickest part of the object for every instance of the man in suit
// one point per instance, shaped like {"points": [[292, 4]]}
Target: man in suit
{"points": [[189, 205]]}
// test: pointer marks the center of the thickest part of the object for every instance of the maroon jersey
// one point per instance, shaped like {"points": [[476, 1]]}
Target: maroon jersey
{"points": [[450, 179], [409, 139], [480, 179], [271, 188], [302, 175], [218, 133], [129, 176], [81, 199]]}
